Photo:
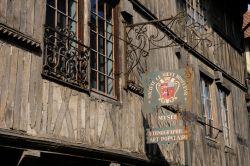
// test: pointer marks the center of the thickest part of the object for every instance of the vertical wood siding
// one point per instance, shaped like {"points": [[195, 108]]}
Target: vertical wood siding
{"points": [[26, 16], [42, 108]]}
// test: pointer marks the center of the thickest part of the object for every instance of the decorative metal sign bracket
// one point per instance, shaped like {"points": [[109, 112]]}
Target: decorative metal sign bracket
{"points": [[142, 38]]}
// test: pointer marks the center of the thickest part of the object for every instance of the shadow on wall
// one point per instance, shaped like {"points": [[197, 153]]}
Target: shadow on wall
{"points": [[153, 151]]}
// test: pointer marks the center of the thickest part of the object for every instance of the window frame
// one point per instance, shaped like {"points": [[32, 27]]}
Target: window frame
{"points": [[224, 112], [207, 115], [66, 14], [66, 59], [94, 28], [196, 14]]}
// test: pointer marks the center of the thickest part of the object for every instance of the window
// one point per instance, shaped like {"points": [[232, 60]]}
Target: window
{"points": [[224, 115], [65, 58], [62, 14], [205, 86], [102, 47], [195, 11]]}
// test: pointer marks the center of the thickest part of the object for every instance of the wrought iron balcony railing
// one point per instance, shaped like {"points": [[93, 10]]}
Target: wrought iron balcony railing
{"points": [[66, 59]]}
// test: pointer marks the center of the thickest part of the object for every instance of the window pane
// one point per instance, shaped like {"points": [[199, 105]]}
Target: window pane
{"points": [[50, 17], [93, 22], [72, 26], [202, 84], [109, 13], [209, 116], [101, 26], [109, 68], [207, 89], [93, 5], [72, 9], [109, 32], [110, 86], [202, 105], [72, 35], [101, 63], [101, 8], [101, 48], [61, 20], [93, 40], [51, 2], [101, 82], [93, 59], [109, 50], [93, 79], [224, 100], [61, 5]]}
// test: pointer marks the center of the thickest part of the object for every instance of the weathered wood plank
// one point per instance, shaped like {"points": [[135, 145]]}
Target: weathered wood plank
{"points": [[125, 127], [23, 16], [25, 91], [50, 109], [92, 110], [39, 12], [45, 106], [132, 122], [81, 109], [119, 127], [71, 115], [56, 105], [12, 87], [101, 117], [104, 130], [96, 118], [16, 14], [38, 91], [9, 16], [30, 15], [18, 91], [109, 136], [64, 108], [32, 92], [87, 122], [5, 56], [114, 120], [3, 11]]}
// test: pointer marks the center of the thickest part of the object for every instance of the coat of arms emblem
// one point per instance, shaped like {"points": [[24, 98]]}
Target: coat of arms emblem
{"points": [[167, 89]]}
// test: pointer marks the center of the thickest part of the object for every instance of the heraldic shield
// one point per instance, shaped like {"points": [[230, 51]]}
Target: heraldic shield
{"points": [[164, 88], [167, 89]]}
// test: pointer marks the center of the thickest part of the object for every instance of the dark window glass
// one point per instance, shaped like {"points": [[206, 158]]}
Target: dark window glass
{"points": [[101, 43]]}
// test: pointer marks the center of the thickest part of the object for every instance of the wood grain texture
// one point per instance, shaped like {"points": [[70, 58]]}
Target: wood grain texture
{"points": [[16, 14], [18, 88], [43, 108], [39, 12], [10, 10], [5, 71], [3, 11], [23, 16], [30, 17]]}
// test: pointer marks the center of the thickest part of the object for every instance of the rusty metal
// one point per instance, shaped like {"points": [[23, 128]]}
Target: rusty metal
{"points": [[65, 58], [142, 38]]}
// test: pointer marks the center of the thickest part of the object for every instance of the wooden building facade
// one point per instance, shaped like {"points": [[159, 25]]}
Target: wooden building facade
{"points": [[71, 81]]}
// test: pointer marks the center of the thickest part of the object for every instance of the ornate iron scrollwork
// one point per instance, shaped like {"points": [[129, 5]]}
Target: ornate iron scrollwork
{"points": [[141, 38], [65, 58]]}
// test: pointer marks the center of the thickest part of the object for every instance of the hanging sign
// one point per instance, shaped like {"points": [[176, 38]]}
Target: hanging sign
{"points": [[167, 135], [165, 88]]}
